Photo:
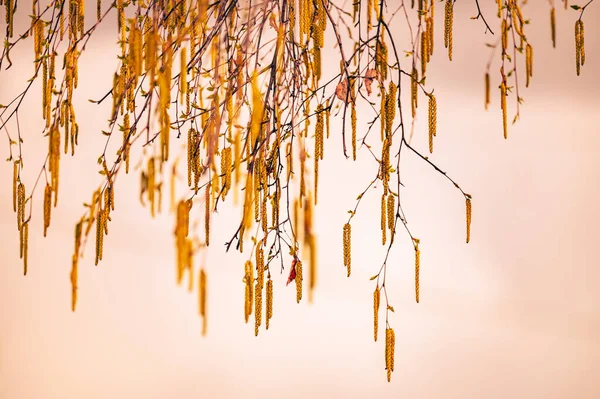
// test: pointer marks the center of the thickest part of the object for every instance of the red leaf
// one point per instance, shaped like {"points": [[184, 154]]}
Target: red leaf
{"points": [[292, 275]]}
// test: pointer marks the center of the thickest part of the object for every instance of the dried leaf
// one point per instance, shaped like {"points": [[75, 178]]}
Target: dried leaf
{"points": [[341, 91], [370, 75], [292, 275]]}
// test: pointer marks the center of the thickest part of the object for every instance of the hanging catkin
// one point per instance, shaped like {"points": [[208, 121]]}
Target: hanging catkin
{"points": [[448, 21], [258, 307], [432, 121], [528, 63], [503, 106], [202, 299], [47, 207], [581, 42], [249, 293], [468, 206], [390, 343], [99, 232], [487, 90], [269, 311], [417, 272], [353, 123], [391, 214], [553, 26], [376, 299], [347, 247], [15, 181], [20, 205], [383, 219], [207, 201], [298, 280]]}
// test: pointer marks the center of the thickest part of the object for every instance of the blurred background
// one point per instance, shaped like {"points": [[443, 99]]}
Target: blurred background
{"points": [[515, 313]]}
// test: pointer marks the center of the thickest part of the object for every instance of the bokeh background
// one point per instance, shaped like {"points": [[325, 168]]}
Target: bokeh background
{"points": [[515, 313]]}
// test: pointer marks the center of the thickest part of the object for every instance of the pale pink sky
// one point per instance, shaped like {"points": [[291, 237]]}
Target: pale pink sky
{"points": [[515, 313]]}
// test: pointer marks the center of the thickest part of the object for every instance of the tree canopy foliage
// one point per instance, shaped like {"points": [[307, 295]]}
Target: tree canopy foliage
{"points": [[241, 83]]}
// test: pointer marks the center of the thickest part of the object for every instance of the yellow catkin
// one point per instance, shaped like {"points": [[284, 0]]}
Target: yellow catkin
{"points": [[45, 99], [468, 206], [581, 42], [448, 22], [21, 240], [387, 354], [183, 75], [15, 180], [264, 222], [260, 267], [487, 90], [269, 311], [528, 63], [432, 121], [319, 141], [553, 26], [500, 3], [517, 23], [111, 196], [190, 156], [417, 271], [81, 17], [414, 94], [578, 46], [25, 245], [353, 123], [383, 219], [20, 205], [430, 27], [127, 134], [105, 216], [503, 106], [376, 299], [385, 163], [226, 169], [47, 207], [257, 307], [298, 281], [391, 214], [390, 109], [327, 115], [292, 18], [249, 294], [54, 159], [393, 345], [99, 233], [151, 185], [207, 204], [319, 133], [258, 165], [202, 299], [347, 240], [383, 115], [424, 51], [390, 343], [381, 58], [73, 277]]}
